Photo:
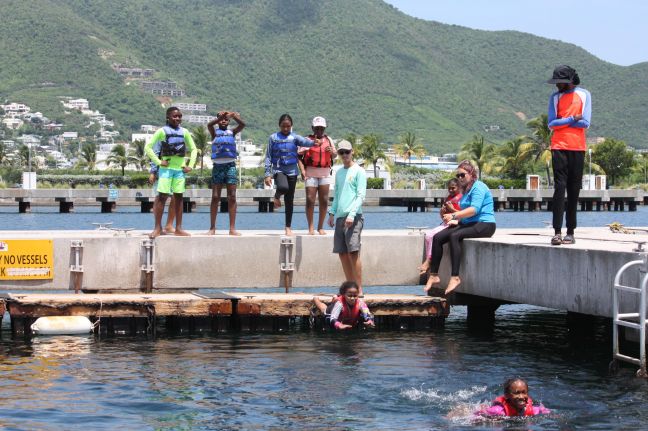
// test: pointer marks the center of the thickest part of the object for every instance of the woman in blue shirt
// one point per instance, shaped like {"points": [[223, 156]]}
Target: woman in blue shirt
{"points": [[476, 219], [281, 163]]}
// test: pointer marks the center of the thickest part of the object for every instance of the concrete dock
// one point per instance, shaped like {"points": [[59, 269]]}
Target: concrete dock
{"points": [[516, 265], [415, 200]]}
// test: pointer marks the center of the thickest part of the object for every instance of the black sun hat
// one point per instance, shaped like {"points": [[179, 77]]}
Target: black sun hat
{"points": [[564, 74]]}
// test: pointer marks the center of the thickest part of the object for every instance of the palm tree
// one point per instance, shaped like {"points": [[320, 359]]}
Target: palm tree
{"points": [[24, 154], [118, 157], [371, 150], [137, 156], [89, 155], [515, 155], [409, 147], [478, 152], [541, 140], [201, 140]]}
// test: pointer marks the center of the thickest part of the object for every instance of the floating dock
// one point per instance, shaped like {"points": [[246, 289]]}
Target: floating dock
{"points": [[218, 312]]}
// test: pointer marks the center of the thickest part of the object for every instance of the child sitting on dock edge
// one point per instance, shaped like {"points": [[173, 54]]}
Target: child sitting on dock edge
{"points": [[347, 309]]}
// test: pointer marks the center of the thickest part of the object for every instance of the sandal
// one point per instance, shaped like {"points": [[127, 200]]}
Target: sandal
{"points": [[556, 240], [569, 239]]}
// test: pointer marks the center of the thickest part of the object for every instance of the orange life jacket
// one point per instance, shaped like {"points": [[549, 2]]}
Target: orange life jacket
{"points": [[319, 157], [349, 316], [567, 137], [510, 409]]}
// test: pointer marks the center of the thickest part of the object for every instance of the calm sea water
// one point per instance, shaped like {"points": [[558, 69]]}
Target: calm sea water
{"points": [[249, 218], [306, 380]]}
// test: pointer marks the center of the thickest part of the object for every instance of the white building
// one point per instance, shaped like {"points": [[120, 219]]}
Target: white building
{"points": [[12, 123], [80, 104], [141, 137], [198, 119], [29, 140], [191, 107], [69, 136], [15, 109], [147, 128]]}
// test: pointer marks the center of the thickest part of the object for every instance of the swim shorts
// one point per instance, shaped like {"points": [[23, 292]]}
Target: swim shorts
{"points": [[171, 181], [224, 173], [347, 240]]}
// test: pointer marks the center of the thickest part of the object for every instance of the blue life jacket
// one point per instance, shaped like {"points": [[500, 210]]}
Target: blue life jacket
{"points": [[284, 150], [174, 143], [224, 145]]}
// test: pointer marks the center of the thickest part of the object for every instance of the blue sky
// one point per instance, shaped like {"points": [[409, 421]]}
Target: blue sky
{"points": [[615, 31]]}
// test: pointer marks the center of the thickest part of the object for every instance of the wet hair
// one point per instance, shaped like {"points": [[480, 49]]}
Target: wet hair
{"points": [[452, 182], [346, 286], [285, 117], [170, 109], [507, 384]]}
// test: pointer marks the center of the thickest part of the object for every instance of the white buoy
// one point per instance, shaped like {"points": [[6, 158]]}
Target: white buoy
{"points": [[62, 325]]}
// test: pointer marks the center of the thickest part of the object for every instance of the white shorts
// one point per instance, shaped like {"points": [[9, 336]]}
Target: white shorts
{"points": [[316, 182]]}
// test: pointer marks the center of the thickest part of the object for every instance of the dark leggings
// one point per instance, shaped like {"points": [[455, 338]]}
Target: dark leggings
{"points": [[455, 236], [568, 176], [286, 187]]}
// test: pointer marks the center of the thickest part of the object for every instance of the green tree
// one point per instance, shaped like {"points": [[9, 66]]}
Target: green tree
{"points": [[24, 156], [408, 147], [641, 166], [201, 139], [541, 140], [3, 153], [478, 152], [137, 156], [372, 150], [515, 156], [118, 157], [89, 155], [614, 157]]}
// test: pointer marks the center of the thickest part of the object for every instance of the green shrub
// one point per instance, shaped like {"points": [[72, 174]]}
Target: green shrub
{"points": [[375, 183], [494, 183]]}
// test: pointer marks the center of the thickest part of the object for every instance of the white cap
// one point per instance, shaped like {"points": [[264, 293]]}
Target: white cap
{"points": [[319, 122]]}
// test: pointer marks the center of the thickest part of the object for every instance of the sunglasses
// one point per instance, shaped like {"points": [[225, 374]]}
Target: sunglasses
{"points": [[344, 152], [461, 175]]}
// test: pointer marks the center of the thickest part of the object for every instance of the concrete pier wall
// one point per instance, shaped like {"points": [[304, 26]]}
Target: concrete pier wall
{"points": [[516, 265]]}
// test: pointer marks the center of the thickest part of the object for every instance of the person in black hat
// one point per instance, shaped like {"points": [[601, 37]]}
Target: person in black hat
{"points": [[570, 112]]}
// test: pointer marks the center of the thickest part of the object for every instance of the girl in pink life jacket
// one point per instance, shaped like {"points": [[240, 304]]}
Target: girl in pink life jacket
{"points": [[515, 402], [450, 205], [346, 310]]}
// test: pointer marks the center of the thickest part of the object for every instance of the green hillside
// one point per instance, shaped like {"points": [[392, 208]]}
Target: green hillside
{"points": [[364, 65]]}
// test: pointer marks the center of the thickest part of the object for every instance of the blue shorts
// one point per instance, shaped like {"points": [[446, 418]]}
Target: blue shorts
{"points": [[225, 173]]}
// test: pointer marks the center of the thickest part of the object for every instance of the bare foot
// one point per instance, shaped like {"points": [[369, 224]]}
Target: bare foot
{"points": [[234, 233], [423, 268], [169, 229], [454, 282], [211, 232], [433, 281], [311, 231], [321, 231], [277, 202], [156, 232], [289, 232], [180, 232]]}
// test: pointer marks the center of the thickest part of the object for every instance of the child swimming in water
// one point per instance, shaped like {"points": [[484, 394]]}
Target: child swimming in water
{"points": [[346, 310], [515, 402]]}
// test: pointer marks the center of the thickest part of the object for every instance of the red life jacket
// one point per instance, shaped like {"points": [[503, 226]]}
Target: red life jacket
{"points": [[510, 409], [318, 156], [455, 201], [349, 316]]}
